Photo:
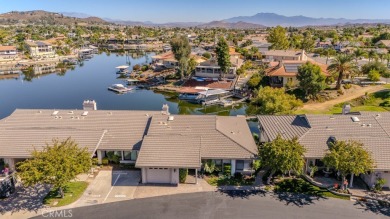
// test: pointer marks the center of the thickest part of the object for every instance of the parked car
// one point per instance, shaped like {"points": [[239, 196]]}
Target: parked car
{"points": [[7, 186]]}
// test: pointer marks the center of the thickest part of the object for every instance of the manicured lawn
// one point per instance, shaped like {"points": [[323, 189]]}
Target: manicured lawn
{"points": [[303, 187], [224, 181], [73, 191]]}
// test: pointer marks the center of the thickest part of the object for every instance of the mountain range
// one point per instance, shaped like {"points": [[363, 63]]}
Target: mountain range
{"points": [[272, 19], [260, 20]]}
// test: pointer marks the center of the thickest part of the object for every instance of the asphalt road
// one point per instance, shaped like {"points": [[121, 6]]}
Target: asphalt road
{"points": [[229, 205]]}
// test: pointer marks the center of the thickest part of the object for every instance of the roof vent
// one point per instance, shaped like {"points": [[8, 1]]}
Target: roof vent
{"points": [[56, 117], [346, 109], [363, 125], [369, 125], [378, 115], [55, 113], [70, 112], [40, 111], [355, 119], [171, 118], [85, 113]]}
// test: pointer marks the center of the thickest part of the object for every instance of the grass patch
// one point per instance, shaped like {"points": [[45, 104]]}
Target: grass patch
{"points": [[226, 181], [73, 192], [301, 186]]}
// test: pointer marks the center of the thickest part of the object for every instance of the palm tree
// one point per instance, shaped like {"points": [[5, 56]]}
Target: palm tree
{"points": [[358, 53], [342, 65], [372, 55]]}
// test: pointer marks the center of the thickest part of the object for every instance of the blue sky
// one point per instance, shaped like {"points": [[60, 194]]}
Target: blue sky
{"points": [[160, 11]]}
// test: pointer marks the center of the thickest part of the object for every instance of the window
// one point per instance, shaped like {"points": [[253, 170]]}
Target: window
{"points": [[127, 155], [134, 155], [239, 165]]}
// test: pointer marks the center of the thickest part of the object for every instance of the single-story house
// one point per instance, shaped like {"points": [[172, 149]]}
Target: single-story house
{"points": [[384, 43], [158, 143], [315, 132], [286, 72], [283, 55]]}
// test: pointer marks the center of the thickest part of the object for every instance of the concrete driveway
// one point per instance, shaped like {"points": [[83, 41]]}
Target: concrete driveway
{"points": [[110, 186]]}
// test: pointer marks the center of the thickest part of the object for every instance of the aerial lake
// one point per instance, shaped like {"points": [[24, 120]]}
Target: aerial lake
{"points": [[90, 81]]}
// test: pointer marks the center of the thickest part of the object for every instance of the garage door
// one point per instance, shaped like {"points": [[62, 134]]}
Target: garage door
{"points": [[158, 175]]}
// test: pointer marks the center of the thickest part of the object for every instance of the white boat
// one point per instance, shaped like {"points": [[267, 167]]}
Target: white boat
{"points": [[119, 88], [122, 69]]}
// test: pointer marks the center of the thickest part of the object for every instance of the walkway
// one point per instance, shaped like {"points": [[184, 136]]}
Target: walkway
{"points": [[329, 104]]}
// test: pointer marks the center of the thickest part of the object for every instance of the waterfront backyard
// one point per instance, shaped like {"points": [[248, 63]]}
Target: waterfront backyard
{"points": [[90, 81]]}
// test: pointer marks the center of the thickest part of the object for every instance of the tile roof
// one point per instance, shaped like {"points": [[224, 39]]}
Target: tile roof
{"points": [[291, 53], [123, 130], [168, 152], [289, 68], [286, 126], [6, 48], [373, 129], [218, 141]]}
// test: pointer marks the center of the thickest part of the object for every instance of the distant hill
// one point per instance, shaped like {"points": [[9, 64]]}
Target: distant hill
{"points": [[272, 19], [229, 25], [44, 17]]}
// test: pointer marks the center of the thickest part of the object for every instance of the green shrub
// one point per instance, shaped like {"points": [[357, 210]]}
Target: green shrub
{"points": [[94, 161], [105, 161], [227, 169], [256, 165], [207, 55], [112, 157], [144, 68], [380, 182], [209, 166], [339, 91], [385, 103], [347, 86], [183, 175]]}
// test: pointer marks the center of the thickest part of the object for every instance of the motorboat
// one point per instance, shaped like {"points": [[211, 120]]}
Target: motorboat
{"points": [[119, 88], [122, 69]]}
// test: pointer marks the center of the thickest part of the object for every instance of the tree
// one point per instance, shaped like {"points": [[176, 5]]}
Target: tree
{"points": [[272, 101], [277, 36], [372, 55], [311, 79], [223, 56], [181, 50], [307, 42], [374, 75], [378, 66], [207, 55], [56, 164], [358, 53], [341, 66], [282, 155], [348, 157], [254, 81], [191, 65]]}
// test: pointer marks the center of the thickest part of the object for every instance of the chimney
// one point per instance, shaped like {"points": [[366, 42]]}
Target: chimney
{"points": [[165, 109], [346, 109], [89, 105]]}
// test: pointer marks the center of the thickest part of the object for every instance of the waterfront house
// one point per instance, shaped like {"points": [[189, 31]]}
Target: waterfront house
{"points": [[211, 69], [40, 49], [167, 59], [8, 53], [285, 72], [316, 132], [155, 141]]}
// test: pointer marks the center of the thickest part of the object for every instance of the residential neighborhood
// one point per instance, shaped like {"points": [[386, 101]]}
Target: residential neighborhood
{"points": [[168, 109]]}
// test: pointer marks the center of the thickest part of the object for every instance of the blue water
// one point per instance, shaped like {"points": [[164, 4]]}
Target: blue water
{"points": [[90, 81]]}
